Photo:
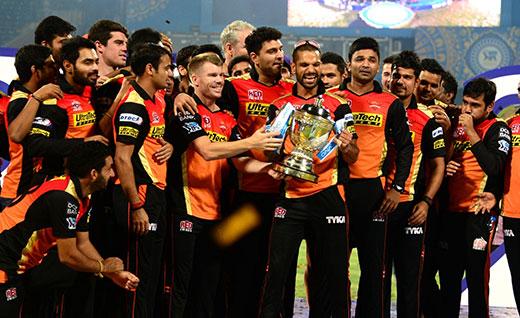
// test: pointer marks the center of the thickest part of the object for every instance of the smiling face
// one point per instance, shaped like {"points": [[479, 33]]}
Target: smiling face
{"points": [[208, 81], [307, 68], [85, 70], [403, 82], [240, 68], [364, 66]]}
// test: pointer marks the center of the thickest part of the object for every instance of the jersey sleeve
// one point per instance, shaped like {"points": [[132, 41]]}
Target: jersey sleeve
{"points": [[63, 211], [432, 144], [397, 128], [183, 129], [15, 108], [83, 223], [344, 113], [491, 153], [229, 99], [131, 119]]}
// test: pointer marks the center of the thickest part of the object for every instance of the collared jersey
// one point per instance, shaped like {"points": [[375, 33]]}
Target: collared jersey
{"points": [[59, 126], [378, 117], [21, 167], [194, 183], [481, 165], [31, 224], [249, 101], [512, 172], [332, 169], [428, 142], [139, 121]]}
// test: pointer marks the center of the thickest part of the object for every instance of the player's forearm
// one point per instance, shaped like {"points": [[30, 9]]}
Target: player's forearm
{"points": [[250, 165], [437, 166], [125, 172], [221, 150], [21, 125]]}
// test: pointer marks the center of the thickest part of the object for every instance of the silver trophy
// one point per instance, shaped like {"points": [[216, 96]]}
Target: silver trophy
{"points": [[309, 133]]}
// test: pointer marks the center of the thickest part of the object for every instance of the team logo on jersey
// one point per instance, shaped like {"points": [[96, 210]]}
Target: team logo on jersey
{"points": [[413, 230], [206, 122], [336, 219], [186, 226], [438, 144], [368, 119], [155, 118], [216, 137], [461, 146], [255, 94], [503, 146], [10, 294], [479, 244], [280, 213], [128, 131], [86, 118], [157, 132], [71, 223], [76, 106], [131, 118], [516, 140], [257, 109], [437, 132], [42, 121]]}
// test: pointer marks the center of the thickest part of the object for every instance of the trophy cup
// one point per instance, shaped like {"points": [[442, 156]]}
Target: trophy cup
{"points": [[309, 133]]}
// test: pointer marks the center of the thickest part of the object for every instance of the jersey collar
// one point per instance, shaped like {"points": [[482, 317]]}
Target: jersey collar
{"points": [[254, 76], [321, 90], [144, 95], [377, 87]]}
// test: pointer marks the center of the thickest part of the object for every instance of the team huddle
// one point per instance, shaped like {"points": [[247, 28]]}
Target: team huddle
{"points": [[165, 178]]}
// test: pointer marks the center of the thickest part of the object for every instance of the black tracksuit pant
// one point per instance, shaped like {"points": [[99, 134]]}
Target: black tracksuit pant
{"points": [[511, 228]]}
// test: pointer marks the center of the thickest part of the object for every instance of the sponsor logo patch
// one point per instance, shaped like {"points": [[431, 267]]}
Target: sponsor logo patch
{"points": [[255, 94], [155, 118], [42, 121], [503, 146], [85, 118], [72, 208], [76, 106], [38, 131], [368, 119], [71, 223], [515, 128], [509, 233], [215, 137], [191, 127], [439, 144], [128, 131], [378, 216], [131, 118], [516, 140], [10, 294], [437, 132], [206, 122], [504, 133], [459, 146], [157, 132], [257, 109], [458, 132], [280, 213], [336, 219], [413, 230], [479, 244], [186, 226]]}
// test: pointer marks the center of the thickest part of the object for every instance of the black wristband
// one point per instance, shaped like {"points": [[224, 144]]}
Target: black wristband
{"points": [[36, 99], [428, 200]]}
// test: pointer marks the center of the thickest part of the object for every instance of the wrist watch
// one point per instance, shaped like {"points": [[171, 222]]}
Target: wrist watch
{"points": [[428, 200], [397, 188]]}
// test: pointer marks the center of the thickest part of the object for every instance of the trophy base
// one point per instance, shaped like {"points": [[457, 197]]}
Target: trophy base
{"points": [[296, 173]]}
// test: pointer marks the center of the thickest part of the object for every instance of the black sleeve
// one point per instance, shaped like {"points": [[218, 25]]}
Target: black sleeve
{"points": [[432, 144], [235, 134], [15, 108], [491, 152], [183, 129], [344, 113], [229, 99], [397, 129], [63, 211], [83, 223], [47, 135], [130, 120]]}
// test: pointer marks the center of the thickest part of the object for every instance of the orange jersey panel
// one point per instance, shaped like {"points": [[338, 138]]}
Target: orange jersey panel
{"points": [[512, 173]]}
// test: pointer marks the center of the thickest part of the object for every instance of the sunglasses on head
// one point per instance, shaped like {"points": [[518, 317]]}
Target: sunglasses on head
{"points": [[312, 43]]}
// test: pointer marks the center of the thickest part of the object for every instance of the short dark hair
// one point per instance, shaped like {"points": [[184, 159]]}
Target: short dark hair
{"points": [[432, 66], [144, 54], [478, 86], [236, 60], [305, 47], [51, 27], [407, 59], [363, 43], [208, 48], [146, 35], [28, 56], [87, 156], [100, 31], [256, 39], [449, 83], [184, 54], [70, 49], [389, 59], [336, 59]]}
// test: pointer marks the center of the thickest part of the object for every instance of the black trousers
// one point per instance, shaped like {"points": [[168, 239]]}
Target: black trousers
{"points": [[466, 244], [405, 252], [322, 216], [141, 254], [512, 244], [196, 271], [368, 233]]}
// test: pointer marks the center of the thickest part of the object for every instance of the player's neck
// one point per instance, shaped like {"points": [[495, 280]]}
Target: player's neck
{"points": [[266, 80], [104, 69], [78, 88], [306, 92], [360, 88], [209, 102], [147, 85]]}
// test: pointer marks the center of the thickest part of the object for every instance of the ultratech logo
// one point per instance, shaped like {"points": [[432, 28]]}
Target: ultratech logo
{"points": [[85, 118], [368, 119], [157, 132], [413, 230], [460, 146], [215, 137], [412, 134], [337, 219], [128, 131], [257, 109], [516, 140]]}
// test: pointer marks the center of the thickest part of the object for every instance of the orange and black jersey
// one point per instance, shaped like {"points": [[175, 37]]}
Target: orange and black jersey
{"points": [[428, 140], [59, 126], [332, 169], [104, 95], [139, 121], [20, 170], [249, 101], [379, 117], [512, 172], [481, 164], [4, 142], [31, 224], [195, 184]]}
